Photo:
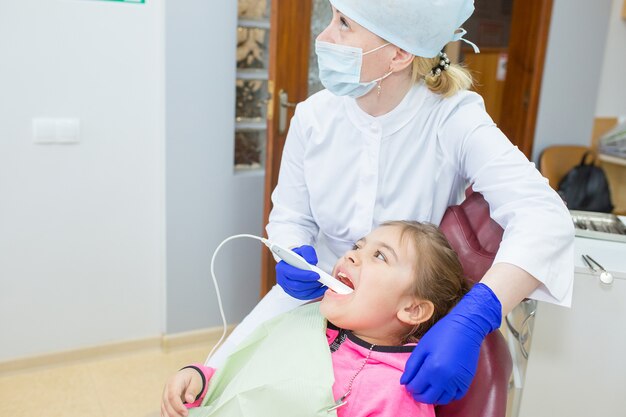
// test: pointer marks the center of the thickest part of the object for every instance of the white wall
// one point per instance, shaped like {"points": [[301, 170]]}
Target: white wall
{"points": [[81, 226], [612, 94], [571, 79], [206, 200], [110, 239]]}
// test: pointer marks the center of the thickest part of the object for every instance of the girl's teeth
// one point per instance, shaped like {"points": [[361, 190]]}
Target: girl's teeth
{"points": [[344, 278]]}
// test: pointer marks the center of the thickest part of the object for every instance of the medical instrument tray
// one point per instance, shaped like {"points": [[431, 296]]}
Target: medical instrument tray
{"points": [[604, 226]]}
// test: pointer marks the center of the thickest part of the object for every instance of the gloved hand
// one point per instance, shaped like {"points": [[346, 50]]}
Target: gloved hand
{"points": [[443, 363], [298, 283]]}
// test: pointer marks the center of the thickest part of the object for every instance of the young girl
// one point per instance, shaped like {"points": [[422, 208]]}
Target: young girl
{"points": [[405, 277]]}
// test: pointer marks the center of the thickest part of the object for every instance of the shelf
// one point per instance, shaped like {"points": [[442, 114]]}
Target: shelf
{"points": [[251, 23], [246, 125], [612, 159], [249, 170], [252, 74]]}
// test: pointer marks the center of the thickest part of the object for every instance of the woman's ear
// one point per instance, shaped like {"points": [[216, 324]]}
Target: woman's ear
{"points": [[401, 60], [416, 312]]}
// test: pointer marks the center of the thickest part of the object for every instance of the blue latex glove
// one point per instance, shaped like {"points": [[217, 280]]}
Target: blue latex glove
{"points": [[298, 283], [443, 363]]}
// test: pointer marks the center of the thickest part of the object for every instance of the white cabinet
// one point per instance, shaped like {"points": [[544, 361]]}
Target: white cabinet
{"points": [[577, 361]]}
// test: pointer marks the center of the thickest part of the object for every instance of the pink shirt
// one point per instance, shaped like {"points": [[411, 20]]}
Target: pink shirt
{"points": [[376, 390]]}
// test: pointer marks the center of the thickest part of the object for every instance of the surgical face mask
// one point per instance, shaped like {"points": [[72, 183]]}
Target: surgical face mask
{"points": [[340, 69]]}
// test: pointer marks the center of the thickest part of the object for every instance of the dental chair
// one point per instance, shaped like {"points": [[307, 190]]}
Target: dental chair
{"points": [[476, 238]]}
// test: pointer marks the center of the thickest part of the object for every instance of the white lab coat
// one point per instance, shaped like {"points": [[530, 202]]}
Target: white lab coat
{"points": [[344, 172]]}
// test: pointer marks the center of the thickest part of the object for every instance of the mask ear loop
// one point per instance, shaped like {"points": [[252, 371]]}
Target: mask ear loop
{"points": [[380, 80]]}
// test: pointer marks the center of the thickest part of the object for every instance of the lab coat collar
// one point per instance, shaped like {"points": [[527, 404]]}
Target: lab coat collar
{"points": [[389, 123]]}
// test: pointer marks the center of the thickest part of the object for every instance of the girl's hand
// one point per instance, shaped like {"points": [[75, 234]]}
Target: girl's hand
{"points": [[183, 386]]}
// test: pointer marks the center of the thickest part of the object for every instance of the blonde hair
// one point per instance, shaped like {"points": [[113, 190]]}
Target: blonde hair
{"points": [[438, 271], [456, 78]]}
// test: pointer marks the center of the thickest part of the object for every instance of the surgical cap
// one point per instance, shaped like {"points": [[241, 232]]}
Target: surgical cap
{"points": [[421, 27]]}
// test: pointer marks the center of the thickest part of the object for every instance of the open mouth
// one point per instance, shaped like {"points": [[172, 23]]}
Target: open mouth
{"points": [[342, 277]]}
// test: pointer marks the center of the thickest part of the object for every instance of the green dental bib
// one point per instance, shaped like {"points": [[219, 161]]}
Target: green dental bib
{"points": [[283, 369]]}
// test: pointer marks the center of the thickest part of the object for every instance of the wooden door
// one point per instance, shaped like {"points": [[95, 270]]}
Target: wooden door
{"points": [[489, 76], [290, 37], [512, 102], [530, 27]]}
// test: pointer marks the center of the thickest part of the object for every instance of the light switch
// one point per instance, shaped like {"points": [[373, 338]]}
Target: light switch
{"points": [[44, 131], [56, 130]]}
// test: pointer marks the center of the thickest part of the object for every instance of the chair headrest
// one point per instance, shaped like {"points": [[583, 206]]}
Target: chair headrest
{"points": [[473, 234]]}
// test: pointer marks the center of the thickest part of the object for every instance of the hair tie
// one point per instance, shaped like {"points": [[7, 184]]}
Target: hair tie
{"points": [[444, 64]]}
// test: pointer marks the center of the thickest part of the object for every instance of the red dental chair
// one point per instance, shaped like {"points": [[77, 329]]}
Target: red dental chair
{"points": [[476, 238]]}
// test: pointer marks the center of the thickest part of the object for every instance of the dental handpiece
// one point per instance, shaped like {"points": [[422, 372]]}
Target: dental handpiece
{"points": [[298, 261]]}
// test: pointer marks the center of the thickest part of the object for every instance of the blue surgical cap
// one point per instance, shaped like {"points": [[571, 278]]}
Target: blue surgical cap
{"points": [[421, 27]]}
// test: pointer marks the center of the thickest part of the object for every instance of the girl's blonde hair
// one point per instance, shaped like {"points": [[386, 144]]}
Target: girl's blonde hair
{"points": [[456, 78], [438, 271]]}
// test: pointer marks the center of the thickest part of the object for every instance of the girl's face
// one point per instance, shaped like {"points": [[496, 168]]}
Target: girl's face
{"points": [[381, 269], [344, 31]]}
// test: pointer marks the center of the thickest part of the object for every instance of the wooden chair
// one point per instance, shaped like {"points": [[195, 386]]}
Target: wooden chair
{"points": [[555, 161]]}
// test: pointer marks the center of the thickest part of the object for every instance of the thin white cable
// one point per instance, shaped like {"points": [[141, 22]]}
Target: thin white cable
{"points": [[217, 289]]}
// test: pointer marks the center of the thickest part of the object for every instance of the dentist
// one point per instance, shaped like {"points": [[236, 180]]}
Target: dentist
{"points": [[397, 135]]}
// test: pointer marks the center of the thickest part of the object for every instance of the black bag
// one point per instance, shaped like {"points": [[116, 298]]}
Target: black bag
{"points": [[585, 187]]}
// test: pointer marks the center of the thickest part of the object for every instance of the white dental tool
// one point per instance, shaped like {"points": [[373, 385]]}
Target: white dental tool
{"points": [[286, 255], [298, 261]]}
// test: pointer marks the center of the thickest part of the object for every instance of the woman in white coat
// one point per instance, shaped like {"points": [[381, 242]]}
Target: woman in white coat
{"points": [[396, 135]]}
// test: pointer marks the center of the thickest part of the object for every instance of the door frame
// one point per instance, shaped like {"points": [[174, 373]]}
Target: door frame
{"points": [[288, 71], [528, 42]]}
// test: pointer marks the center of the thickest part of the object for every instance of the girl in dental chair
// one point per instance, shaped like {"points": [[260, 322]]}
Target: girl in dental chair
{"points": [[405, 278]]}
